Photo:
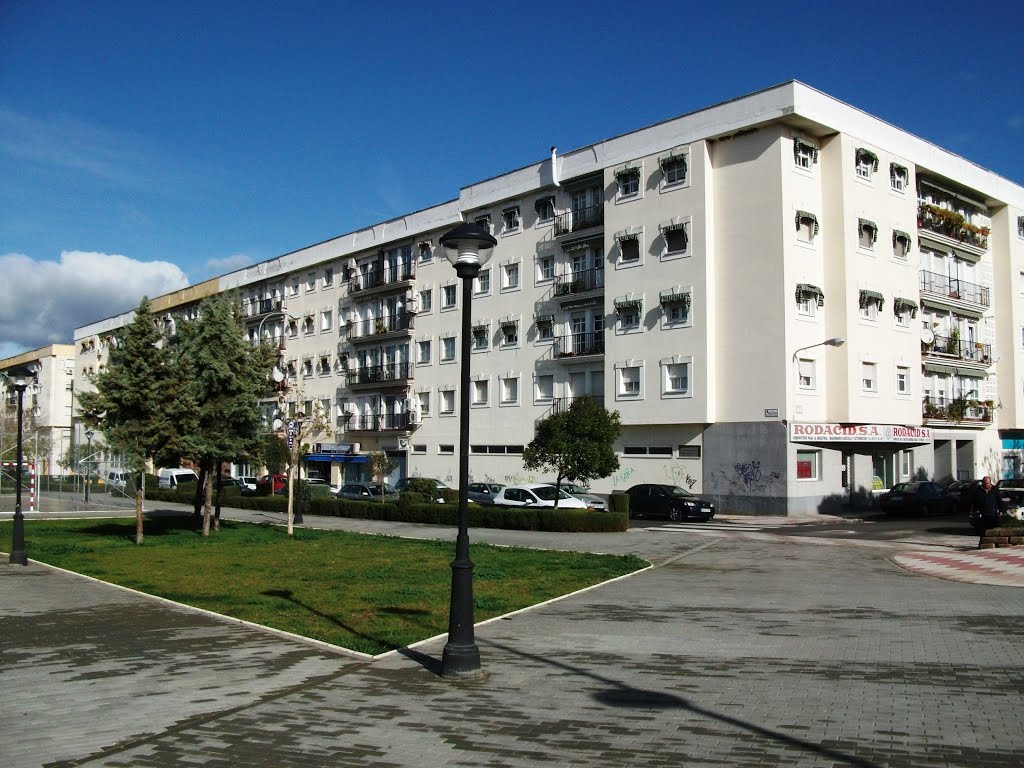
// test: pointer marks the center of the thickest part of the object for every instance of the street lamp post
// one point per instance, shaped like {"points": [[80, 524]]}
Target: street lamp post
{"points": [[838, 341], [19, 378], [468, 247], [88, 462]]}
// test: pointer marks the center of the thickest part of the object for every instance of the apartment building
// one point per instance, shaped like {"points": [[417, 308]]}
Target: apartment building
{"points": [[687, 275], [47, 406]]}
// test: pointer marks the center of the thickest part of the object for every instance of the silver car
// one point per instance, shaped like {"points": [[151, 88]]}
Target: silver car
{"points": [[483, 493], [583, 494]]}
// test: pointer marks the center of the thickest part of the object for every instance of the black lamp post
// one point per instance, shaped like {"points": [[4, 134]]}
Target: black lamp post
{"points": [[468, 247], [88, 458], [19, 378]]}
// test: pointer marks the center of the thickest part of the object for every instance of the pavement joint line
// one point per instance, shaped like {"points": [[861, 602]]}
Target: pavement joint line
{"points": [[688, 552]]}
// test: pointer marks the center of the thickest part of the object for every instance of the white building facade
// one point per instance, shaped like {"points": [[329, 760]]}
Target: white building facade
{"points": [[686, 275]]}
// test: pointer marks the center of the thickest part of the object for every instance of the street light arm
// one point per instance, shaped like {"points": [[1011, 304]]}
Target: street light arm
{"points": [[837, 341]]}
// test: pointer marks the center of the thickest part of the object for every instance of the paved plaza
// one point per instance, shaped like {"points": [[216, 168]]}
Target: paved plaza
{"points": [[734, 650]]}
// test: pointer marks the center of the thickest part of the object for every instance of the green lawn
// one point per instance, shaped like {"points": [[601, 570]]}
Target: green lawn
{"points": [[366, 593]]}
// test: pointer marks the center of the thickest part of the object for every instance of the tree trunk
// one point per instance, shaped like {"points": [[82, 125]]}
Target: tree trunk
{"points": [[207, 501], [558, 487], [291, 485], [200, 486], [138, 515], [216, 514]]}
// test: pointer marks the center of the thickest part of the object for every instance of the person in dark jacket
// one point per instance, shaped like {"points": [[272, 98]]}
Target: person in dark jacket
{"points": [[988, 507]]}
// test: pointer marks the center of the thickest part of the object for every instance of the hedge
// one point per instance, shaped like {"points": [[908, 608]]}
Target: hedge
{"points": [[410, 510]]}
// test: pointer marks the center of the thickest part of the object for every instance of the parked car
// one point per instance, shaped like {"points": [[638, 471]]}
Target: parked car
{"points": [[314, 489], [365, 491], [269, 484], [415, 483], [172, 478], [580, 492], [964, 492], [919, 497], [117, 480], [227, 481], [671, 501], [536, 495], [248, 482], [483, 493]]}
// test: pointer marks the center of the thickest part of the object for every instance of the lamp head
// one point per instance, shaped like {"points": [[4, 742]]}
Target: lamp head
{"points": [[20, 377], [838, 341], [468, 244], [89, 434]]}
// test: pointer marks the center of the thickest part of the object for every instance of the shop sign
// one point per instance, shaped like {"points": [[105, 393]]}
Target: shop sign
{"points": [[859, 433]]}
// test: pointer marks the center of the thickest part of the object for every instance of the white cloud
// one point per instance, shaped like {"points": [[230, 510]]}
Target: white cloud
{"points": [[228, 263], [42, 302], [1016, 121]]}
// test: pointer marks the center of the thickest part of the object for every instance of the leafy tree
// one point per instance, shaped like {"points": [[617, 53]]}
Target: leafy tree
{"points": [[302, 426], [132, 403], [224, 377], [274, 454], [35, 436], [575, 444], [381, 466]]}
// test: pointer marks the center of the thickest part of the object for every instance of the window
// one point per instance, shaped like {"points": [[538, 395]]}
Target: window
{"points": [[902, 380], [868, 377], [293, 289], [483, 221], [446, 449], [1020, 226], [689, 451], [677, 238], [448, 294], [806, 371], [311, 282], [871, 304], [808, 465], [509, 333], [804, 154], [425, 250], [426, 300], [546, 268], [509, 276], [901, 244], [545, 387], [629, 381], [447, 349], [419, 448], [480, 338], [808, 299], [423, 352], [629, 249], [482, 282], [423, 401], [480, 392], [545, 328], [308, 325], [673, 169], [629, 318], [806, 227], [677, 379], [899, 176], [324, 366], [677, 308], [906, 463], [326, 320], [545, 208], [628, 181], [867, 233], [866, 164], [510, 219], [307, 367], [447, 404], [328, 277], [509, 390]]}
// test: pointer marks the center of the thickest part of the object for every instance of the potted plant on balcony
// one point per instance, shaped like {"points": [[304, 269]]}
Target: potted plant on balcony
{"points": [[953, 342], [380, 327]]}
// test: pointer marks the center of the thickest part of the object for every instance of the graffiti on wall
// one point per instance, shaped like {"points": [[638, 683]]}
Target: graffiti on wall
{"points": [[680, 476], [620, 477], [747, 477]]}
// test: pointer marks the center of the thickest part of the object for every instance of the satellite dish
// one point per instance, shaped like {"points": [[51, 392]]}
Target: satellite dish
{"points": [[276, 375], [927, 336], [278, 423]]}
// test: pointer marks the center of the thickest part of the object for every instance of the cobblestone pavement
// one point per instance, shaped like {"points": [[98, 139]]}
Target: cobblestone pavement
{"points": [[733, 651]]}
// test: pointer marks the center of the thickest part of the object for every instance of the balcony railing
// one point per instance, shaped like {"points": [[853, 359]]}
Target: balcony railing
{"points": [[561, 404], [953, 346], [381, 325], [380, 374], [383, 422], [382, 277], [577, 344], [579, 219], [952, 225], [252, 310], [960, 410], [954, 288], [578, 282]]}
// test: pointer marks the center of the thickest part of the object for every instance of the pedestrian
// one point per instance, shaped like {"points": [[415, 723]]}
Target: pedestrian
{"points": [[988, 507]]}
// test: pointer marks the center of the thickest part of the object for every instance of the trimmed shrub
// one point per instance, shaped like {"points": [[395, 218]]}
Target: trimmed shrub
{"points": [[618, 502]]}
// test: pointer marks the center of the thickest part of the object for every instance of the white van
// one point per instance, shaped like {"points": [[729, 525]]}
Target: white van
{"points": [[117, 480], [172, 478]]}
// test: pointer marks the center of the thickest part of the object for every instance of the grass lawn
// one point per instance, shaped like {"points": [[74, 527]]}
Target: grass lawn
{"points": [[366, 593]]}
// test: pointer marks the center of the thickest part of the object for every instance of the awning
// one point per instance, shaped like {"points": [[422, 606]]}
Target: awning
{"points": [[580, 303], [895, 168], [869, 224], [672, 297], [541, 205], [866, 296], [899, 234], [670, 159], [509, 324], [899, 304], [971, 373], [623, 173], [625, 303], [336, 457], [867, 154], [798, 146], [623, 237], [541, 319], [579, 245], [807, 215], [673, 226], [806, 289]]}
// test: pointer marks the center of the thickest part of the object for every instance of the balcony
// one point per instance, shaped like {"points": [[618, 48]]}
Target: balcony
{"points": [[951, 291], [579, 220], [261, 309], [378, 328], [377, 280], [378, 375], [952, 348], [579, 282], [579, 344], [952, 227], [384, 422], [562, 404], [962, 410]]}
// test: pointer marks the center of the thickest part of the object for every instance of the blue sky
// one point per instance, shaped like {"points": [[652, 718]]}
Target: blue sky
{"points": [[144, 145]]}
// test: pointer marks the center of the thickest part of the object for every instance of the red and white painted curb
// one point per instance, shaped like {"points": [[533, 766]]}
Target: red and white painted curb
{"points": [[1000, 567]]}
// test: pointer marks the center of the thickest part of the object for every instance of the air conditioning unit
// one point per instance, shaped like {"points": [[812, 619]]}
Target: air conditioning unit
{"points": [[356, 447], [403, 444], [414, 417], [350, 408], [413, 304]]}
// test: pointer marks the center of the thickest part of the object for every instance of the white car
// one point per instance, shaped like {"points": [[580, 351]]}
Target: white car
{"points": [[248, 482], [583, 494], [536, 495]]}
